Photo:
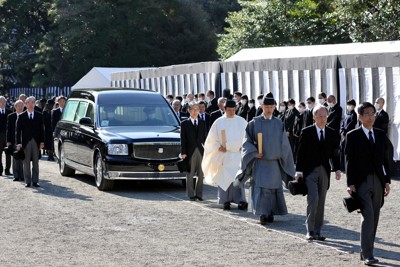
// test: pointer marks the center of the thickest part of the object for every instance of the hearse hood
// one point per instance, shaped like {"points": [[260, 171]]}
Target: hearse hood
{"points": [[133, 134]]}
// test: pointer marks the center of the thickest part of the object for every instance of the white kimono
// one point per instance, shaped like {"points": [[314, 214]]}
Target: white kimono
{"points": [[221, 167]]}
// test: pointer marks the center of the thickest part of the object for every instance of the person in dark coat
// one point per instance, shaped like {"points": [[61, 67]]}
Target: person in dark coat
{"points": [[244, 107], [309, 112], [368, 175], [203, 115], [193, 136], [30, 137], [288, 122], [335, 113], [299, 124], [218, 113], [18, 166], [282, 110], [252, 110], [212, 102], [382, 118], [318, 149], [4, 112], [56, 113], [349, 123], [48, 130], [260, 102]]}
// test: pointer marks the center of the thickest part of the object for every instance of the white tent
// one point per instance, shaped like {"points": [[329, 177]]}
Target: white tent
{"points": [[100, 77], [314, 50]]}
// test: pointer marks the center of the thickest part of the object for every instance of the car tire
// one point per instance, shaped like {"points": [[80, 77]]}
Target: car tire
{"points": [[65, 170], [101, 183]]}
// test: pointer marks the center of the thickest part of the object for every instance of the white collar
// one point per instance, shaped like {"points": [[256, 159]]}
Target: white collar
{"points": [[366, 131], [269, 118]]}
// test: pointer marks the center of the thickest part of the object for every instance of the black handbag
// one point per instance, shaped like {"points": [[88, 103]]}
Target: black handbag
{"points": [[297, 187], [183, 165], [352, 203]]}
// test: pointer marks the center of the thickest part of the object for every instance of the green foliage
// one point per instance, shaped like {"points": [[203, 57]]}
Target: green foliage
{"points": [[264, 23]]}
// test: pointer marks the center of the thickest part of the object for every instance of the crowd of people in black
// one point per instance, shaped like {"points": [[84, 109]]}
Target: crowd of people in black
{"points": [[26, 133]]}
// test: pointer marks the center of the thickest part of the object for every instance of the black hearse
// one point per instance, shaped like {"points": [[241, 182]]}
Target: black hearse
{"points": [[118, 134]]}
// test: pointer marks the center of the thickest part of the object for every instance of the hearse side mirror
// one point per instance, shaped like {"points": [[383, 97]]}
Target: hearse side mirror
{"points": [[86, 121]]}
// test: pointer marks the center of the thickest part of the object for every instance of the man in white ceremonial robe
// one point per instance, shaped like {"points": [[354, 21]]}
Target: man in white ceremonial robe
{"points": [[222, 157]]}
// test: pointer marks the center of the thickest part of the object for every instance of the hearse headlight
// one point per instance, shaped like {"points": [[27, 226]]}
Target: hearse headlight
{"points": [[117, 149]]}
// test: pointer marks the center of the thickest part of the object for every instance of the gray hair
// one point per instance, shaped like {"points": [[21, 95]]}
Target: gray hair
{"points": [[221, 100], [18, 102], [30, 99], [318, 108]]}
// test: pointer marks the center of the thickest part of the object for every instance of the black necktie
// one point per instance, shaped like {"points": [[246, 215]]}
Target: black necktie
{"points": [[195, 123], [31, 117], [321, 137], [371, 139]]}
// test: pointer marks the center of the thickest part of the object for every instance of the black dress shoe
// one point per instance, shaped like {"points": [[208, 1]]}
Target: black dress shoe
{"points": [[370, 261], [192, 198], [27, 185], [199, 198], [243, 205], [15, 180], [319, 237], [270, 218], [35, 184], [263, 219], [227, 206], [310, 236]]}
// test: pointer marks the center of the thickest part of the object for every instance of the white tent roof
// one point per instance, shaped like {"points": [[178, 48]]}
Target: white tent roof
{"points": [[315, 50], [99, 77]]}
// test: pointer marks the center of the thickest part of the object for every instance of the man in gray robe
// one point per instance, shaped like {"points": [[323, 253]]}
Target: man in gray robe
{"points": [[268, 167]]}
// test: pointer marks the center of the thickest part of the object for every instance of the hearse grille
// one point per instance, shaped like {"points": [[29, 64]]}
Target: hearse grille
{"points": [[156, 151]]}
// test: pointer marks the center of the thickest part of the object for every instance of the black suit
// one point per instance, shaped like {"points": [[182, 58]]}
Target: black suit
{"points": [[251, 114], [335, 117], [365, 162], [212, 106], [309, 117], [215, 115], [243, 110], [382, 121], [3, 140], [207, 119], [55, 117], [182, 115], [312, 153], [192, 141], [18, 171], [313, 159], [348, 124], [30, 135]]}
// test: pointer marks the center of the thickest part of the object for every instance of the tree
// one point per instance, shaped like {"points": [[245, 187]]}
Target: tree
{"points": [[122, 33], [368, 20], [264, 23], [23, 23]]}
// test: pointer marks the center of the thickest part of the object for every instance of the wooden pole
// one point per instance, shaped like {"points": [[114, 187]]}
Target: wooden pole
{"points": [[223, 135], [259, 141]]}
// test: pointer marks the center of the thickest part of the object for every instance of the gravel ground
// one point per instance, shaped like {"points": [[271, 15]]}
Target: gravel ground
{"points": [[68, 222]]}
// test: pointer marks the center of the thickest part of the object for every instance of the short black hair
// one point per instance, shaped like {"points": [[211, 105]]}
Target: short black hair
{"points": [[311, 98], [245, 97], [292, 102], [202, 103], [179, 98], [260, 97], [322, 94], [302, 104], [238, 93], [211, 92], [363, 106]]}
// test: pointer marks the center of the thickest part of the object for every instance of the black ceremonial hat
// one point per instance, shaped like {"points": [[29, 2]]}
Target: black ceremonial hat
{"points": [[230, 104], [268, 101]]}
